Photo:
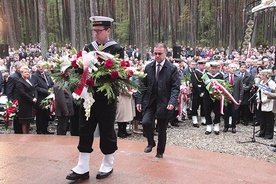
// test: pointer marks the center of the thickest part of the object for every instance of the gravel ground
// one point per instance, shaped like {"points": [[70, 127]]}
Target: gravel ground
{"points": [[188, 136]]}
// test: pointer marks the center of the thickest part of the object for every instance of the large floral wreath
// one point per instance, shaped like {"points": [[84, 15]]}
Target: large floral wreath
{"points": [[219, 90], [84, 70]]}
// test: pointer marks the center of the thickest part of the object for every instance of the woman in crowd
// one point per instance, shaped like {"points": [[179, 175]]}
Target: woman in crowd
{"points": [[265, 105], [27, 98], [125, 112]]}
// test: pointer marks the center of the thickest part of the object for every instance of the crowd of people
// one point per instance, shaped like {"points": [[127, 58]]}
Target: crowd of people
{"points": [[175, 91], [191, 66]]}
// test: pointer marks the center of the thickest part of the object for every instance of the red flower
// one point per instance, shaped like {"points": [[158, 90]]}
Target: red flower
{"points": [[79, 54], [90, 82], [125, 64], [15, 102], [130, 73], [114, 74], [74, 64], [108, 63], [65, 74]]}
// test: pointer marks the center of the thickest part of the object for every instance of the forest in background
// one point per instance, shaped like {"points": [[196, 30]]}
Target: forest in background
{"points": [[212, 23]]}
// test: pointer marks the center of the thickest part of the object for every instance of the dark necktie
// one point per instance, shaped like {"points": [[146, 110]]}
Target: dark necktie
{"points": [[44, 76], [158, 70], [231, 79]]}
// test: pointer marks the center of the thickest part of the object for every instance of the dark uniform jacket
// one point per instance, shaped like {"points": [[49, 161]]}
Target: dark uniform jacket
{"points": [[197, 82]]}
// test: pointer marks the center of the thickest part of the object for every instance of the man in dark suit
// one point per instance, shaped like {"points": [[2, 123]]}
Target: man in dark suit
{"points": [[12, 93], [43, 84], [158, 97], [231, 110], [248, 81], [137, 54]]}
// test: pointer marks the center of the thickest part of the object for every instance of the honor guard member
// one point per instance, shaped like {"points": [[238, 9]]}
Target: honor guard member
{"points": [[208, 103], [102, 112], [198, 92]]}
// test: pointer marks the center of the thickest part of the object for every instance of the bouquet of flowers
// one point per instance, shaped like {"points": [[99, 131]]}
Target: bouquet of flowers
{"points": [[49, 103], [83, 71], [10, 111], [219, 90]]}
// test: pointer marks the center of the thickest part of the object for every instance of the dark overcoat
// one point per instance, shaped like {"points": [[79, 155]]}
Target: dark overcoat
{"points": [[63, 102], [248, 81], [26, 94], [168, 88], [41, 86], [237, 88]]}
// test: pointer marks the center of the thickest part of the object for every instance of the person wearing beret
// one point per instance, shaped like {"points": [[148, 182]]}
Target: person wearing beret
{"points": [[102, 112]]}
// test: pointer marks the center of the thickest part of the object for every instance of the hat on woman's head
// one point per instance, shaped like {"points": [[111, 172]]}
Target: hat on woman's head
{"points": [[101, 21]]}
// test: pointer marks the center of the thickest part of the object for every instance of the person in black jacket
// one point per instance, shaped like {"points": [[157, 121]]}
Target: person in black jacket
{"points": [[27, 97], [12, 93], [158, 98], [102, 112], [43, 84], [63, 108]]}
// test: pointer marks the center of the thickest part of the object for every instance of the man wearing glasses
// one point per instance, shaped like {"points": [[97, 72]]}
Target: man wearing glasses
{"points": [[108, 139], [158, 98]]}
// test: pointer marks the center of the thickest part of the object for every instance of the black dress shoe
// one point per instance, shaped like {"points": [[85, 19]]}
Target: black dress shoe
{"points": [[196, 125], [127, 134], [204, 124], [216, 132], [75, 176], [121, 135], [225, 130], [49, 133], [273, 145], [256, 124], [175, 124], [158, 155], [207, 133], [234, 130], [149, 148], [102, 175]]}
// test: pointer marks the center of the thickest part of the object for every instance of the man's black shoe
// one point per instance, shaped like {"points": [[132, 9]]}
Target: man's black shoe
{"points": [[273, 145], [256, 124], [196, 125], [102, 175], [158, 155], [149, 148], [175, 124], [216, 132], [75, 176]]}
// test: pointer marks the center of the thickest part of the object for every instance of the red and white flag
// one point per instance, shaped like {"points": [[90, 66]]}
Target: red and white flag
{"points": [[249, 51]]}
